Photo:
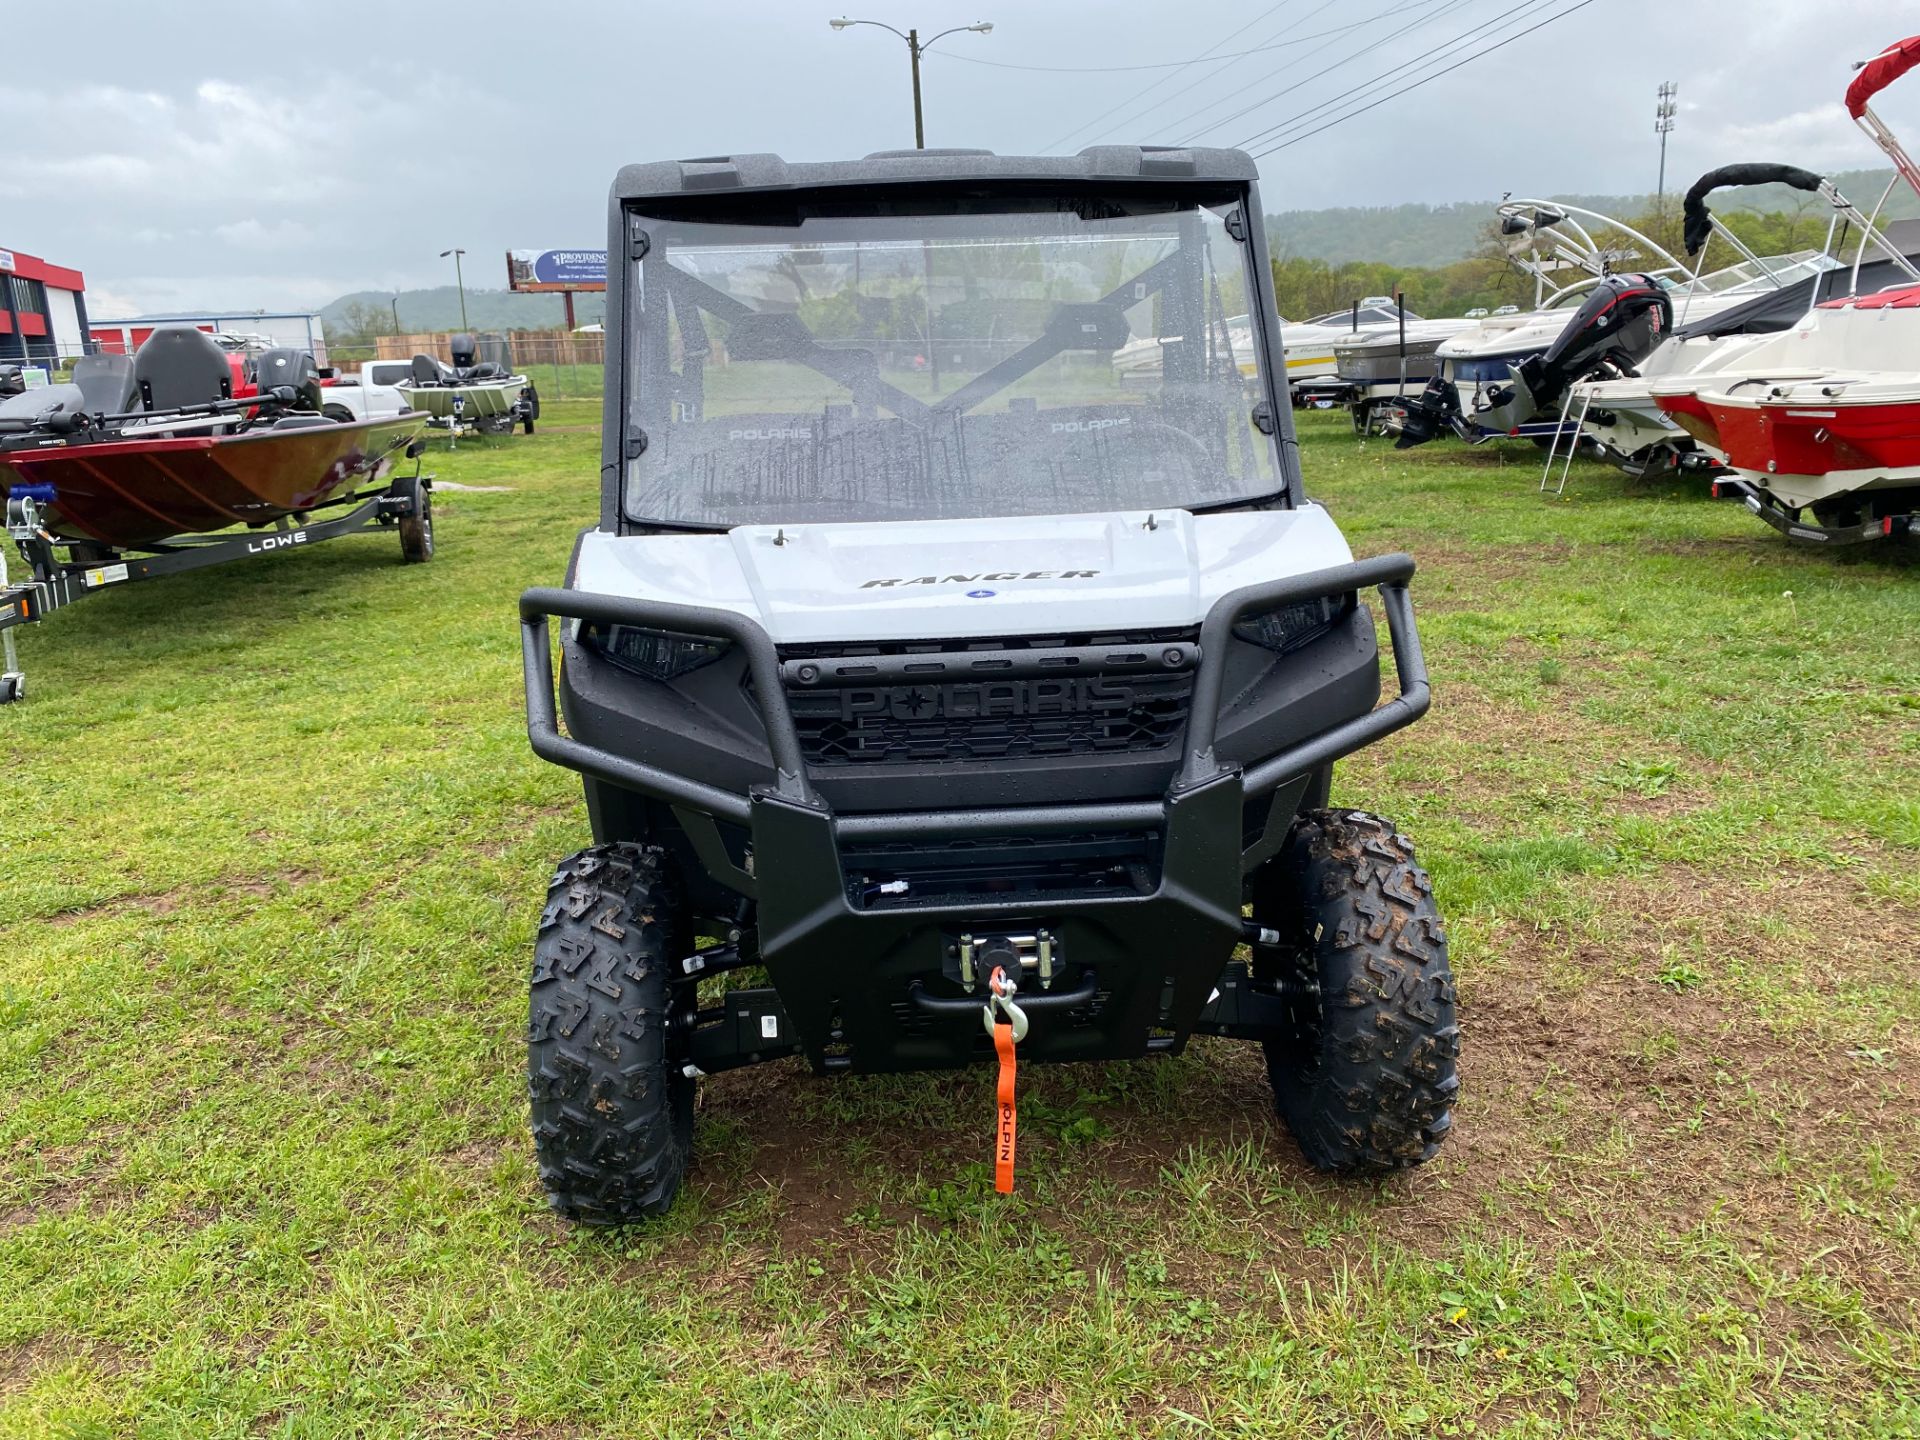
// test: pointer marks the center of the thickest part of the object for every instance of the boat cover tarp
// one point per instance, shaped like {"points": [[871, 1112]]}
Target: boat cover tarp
{"points": [[1698, 225], [1881, 71]]}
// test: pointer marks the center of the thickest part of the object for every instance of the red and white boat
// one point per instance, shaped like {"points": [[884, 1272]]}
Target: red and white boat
{"points": [[1819, 426]]}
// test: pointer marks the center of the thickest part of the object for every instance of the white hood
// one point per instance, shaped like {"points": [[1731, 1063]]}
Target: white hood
{"points": [[955, 579]]}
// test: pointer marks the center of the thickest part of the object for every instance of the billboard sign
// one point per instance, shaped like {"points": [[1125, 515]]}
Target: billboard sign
{"points": [[556, 269]]}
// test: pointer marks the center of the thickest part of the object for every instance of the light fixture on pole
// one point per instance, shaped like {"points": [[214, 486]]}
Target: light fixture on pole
{"points": [[916, 47], [461, 280], [1663, 114]]}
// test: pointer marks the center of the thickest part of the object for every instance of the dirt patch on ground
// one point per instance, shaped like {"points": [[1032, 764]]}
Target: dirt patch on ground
{"points": [[1477, 570], [164, 903], [266, 886], [1602, 1104], [21, 1365], [1621, 1073]]}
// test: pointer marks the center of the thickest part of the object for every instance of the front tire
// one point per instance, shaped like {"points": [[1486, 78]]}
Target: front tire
{"points": [[1366, 1075], [612, 1109]]}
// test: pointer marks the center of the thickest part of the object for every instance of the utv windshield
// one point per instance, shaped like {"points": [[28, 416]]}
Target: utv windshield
{"points": [[838, 358]]}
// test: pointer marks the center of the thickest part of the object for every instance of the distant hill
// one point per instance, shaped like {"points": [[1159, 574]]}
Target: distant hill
{"points": [[1396, 235], [439, 309], [1430, 235]]}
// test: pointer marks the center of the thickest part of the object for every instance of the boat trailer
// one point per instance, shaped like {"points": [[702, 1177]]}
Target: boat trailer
{"points": [[405, 504]]}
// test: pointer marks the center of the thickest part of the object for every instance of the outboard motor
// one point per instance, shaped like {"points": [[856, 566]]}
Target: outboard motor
{"points": [[1617, 326], [289, 370], [463, 349], [12, 382], [1438, 405]]}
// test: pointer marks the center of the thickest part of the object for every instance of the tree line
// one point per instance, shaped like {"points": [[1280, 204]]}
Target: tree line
{"points": [[1306, 286]]}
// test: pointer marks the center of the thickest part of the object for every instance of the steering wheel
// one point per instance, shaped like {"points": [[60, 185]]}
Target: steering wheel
{"points": [[1201, 457]]}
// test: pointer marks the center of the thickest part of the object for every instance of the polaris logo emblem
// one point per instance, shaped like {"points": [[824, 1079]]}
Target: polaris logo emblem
{"points": [[989, 700], [769, 434], [892, 582], [1082, 427]]}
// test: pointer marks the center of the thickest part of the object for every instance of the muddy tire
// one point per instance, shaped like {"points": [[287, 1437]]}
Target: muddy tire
{"points": [[416, 530], [612, 1111], [1366, 1075]]}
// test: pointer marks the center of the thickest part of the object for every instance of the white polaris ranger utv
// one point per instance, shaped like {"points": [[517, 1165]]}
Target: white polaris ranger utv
{"points": [[980, 691]]}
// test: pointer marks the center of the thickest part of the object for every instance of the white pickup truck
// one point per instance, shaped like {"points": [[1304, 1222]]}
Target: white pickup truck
{"points": [[367, 393]]}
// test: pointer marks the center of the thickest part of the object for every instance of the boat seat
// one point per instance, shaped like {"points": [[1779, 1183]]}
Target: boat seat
{"points": [[35, 405], [301, 422], [107, 383], [429, 371], [179, 365]]}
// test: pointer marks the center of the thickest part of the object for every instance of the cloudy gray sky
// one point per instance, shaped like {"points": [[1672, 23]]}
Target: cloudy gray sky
{"points": [[191, 154]]}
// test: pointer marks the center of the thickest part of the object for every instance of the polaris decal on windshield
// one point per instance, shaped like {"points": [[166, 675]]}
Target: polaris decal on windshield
{"points": [[769, 434], [888, 584], [1082, 427]]}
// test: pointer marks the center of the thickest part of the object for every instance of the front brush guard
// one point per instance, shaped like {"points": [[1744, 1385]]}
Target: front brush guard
{"points": [[851, 982]]}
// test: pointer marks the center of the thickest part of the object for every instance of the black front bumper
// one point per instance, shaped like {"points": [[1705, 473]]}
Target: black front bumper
{"points": [[861, 980]]}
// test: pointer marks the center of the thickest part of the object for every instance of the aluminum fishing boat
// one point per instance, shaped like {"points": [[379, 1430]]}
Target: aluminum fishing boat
{"points": [[141, 466], [479, 391]]}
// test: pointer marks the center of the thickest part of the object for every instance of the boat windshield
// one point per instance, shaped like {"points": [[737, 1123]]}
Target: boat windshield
{"points": [[1772, 272], [839, 356]]}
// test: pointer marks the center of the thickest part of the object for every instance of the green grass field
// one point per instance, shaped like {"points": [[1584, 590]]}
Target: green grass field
{"points": [[271, 850]]}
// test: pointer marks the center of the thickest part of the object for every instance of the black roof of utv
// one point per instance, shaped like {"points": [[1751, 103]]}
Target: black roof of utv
{"points": [[769, 172]]}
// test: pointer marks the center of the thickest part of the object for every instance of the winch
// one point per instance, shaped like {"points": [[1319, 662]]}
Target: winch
{"points": [[1036, 953]]}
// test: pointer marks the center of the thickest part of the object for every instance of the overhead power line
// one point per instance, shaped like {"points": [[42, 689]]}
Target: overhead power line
{"points": [[1160, 65], [1208, 54], [1138, 117], [1405, 89], [1474, 35], [1445, 7]]}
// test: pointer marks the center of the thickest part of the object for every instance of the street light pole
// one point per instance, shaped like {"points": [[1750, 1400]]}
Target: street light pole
{"points": [[919, 121], [1663, 114], [461, 280], [915, 49]]}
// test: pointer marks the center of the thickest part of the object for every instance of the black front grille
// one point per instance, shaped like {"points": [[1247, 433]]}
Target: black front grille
{"points": [[991, 719]]}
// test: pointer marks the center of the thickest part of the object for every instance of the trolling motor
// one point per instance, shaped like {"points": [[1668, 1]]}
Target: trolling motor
{"points": [[1618, 325]]}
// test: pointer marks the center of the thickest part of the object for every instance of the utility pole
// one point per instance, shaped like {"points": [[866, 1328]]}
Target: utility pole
{"points": [[915, 49], [461, 280], [1663, 114]]}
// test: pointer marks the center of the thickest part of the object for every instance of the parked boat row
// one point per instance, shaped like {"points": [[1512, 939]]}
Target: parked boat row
{"points": [[1794, 379]]}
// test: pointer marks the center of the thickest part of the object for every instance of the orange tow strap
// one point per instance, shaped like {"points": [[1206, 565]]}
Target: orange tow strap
{"points": [[1003, 1139]]}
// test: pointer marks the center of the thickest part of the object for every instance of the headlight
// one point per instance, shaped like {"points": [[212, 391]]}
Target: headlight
{"points": [[656, 654], [1292, 626]]}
